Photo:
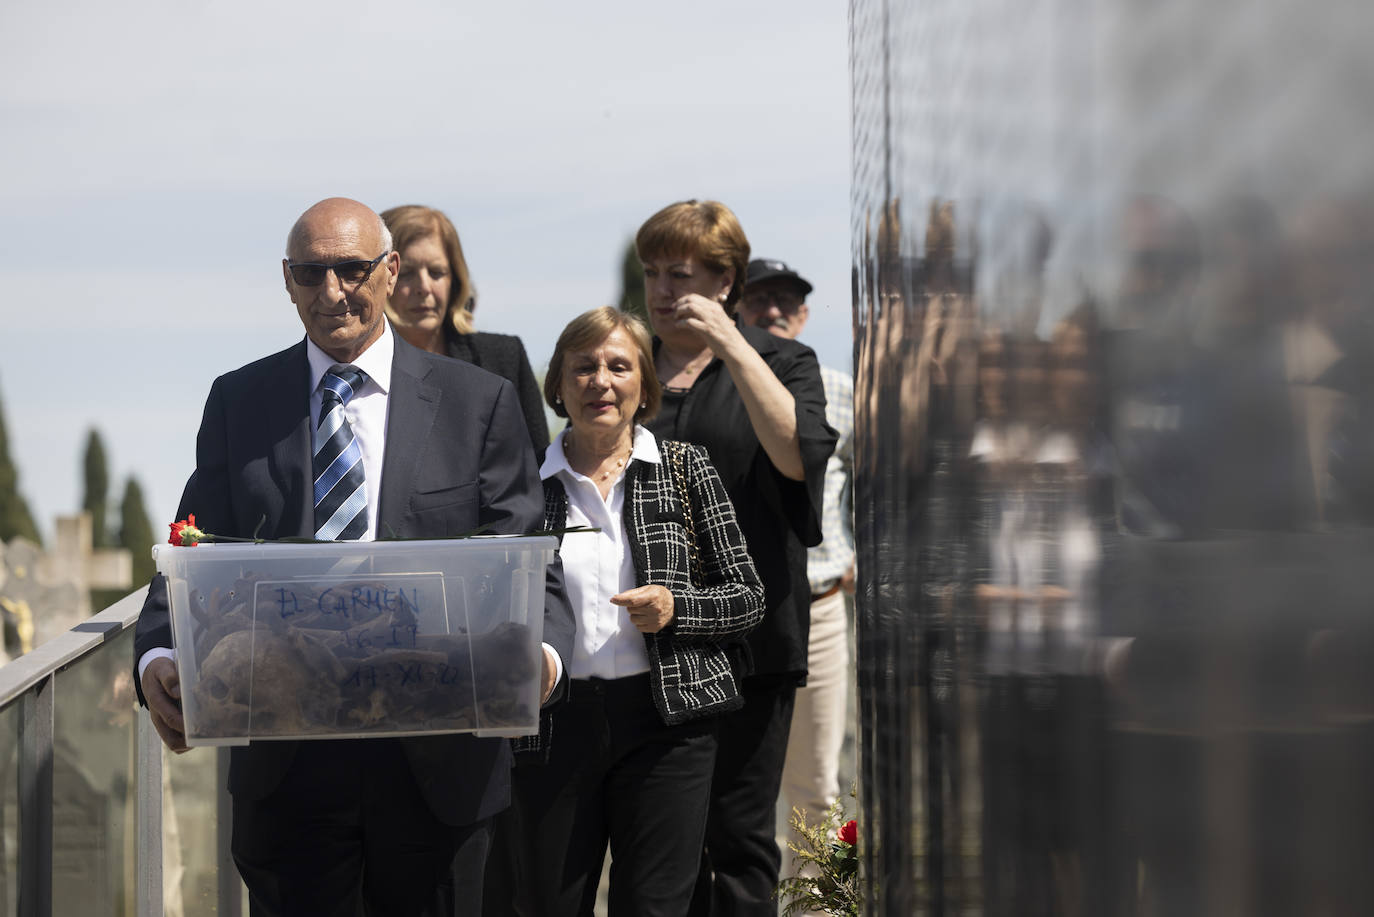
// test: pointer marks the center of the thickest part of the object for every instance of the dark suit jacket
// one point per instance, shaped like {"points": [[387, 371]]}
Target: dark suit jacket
{"points": [[504, 354], [456, 457]]}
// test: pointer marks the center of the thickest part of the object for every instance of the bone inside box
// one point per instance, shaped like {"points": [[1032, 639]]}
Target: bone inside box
{"points": [[292, 641]]}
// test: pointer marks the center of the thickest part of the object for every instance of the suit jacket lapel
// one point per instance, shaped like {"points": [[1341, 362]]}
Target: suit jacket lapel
{"points": [[411, 407], [286, 418]]}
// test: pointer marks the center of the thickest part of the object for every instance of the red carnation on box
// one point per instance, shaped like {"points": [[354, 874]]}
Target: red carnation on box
{"points": [[185, 534]]}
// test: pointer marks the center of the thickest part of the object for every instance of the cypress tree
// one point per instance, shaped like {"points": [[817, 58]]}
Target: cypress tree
{"points": [[136, 532], [97, 494], [632, 284], [15, 518]]}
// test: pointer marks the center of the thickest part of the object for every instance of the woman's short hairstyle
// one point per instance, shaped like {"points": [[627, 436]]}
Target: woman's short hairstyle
{"points": [[409, 224], [590, 329], [706, 230]]}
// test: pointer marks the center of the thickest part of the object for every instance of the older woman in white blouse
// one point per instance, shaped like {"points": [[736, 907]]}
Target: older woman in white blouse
{"points": [[664, 593]]}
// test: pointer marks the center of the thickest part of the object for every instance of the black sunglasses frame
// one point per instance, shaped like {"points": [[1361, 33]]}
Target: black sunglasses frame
{"points": [[786, 300], [338, 267]]}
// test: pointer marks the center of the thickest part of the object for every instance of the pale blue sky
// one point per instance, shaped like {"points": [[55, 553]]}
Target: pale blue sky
{"points": [[156, 153]]}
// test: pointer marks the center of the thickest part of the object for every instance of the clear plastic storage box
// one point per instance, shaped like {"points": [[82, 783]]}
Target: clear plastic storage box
{"points": [[356, 639]]}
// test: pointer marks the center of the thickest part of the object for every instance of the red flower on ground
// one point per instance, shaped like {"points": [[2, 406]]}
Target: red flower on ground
{"points": [[849, 833], [184, 533]]}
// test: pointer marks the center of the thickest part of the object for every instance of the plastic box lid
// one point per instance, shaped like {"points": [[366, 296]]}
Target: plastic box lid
{"points": [[357, 639]]}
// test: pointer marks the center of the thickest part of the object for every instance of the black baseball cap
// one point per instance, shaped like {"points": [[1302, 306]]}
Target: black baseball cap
{"points": [[761, 269]]}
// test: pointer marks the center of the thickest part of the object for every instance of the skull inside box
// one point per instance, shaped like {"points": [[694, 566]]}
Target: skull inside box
{"points": [[357, 639]]}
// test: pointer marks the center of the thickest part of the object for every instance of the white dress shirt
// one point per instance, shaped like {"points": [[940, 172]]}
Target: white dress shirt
{"points": [[598, 565]]}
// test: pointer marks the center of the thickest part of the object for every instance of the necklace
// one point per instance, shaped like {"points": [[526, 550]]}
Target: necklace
{"points": [[687, 369], [619, 463]]}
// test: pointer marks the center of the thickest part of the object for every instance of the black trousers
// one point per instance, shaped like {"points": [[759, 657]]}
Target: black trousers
{"points": [[347, 834], [739, 868], [616, 774]]}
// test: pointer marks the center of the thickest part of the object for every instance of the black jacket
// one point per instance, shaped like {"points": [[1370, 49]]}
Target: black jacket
{"points": [[504, 354], [780, 517], [695, 662]]}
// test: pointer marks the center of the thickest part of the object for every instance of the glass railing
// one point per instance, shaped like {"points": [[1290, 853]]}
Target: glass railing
{"points": [[96, 817]]}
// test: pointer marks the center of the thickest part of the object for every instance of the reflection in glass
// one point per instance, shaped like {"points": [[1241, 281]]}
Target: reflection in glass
{"points": [[93, 786], [190, 868], [9, 810], [1114, 390]]}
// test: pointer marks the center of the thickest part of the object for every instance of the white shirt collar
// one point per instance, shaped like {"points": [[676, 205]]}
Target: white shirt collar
{"points": [[375, 360], [645, 449]]}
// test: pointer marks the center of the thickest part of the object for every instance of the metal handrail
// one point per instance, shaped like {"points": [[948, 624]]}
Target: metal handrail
{"points": [[26, 672], [30, 682]]}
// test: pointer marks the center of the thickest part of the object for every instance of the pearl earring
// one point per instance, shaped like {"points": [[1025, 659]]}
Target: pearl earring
{"points": [[644, 404], [557, 399]]}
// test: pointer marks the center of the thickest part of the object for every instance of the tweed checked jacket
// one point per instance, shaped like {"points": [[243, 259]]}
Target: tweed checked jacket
{"points": [[695, 663]]}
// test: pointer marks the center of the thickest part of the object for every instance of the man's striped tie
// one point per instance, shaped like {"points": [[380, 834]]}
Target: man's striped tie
{"points": [[340, 497]]}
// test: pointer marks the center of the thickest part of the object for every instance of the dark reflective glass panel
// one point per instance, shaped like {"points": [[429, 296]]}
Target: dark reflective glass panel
{"points": [[1114, 308]]}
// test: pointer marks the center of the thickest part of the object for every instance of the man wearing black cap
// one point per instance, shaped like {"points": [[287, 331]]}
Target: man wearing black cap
{"points": [[775, 299]]}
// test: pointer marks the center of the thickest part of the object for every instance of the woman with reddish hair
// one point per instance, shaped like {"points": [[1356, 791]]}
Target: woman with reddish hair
{"points": [[756, 404]]}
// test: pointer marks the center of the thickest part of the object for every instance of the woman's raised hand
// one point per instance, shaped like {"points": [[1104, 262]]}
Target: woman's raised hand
{"points": [[706, 317], [650, 607]]}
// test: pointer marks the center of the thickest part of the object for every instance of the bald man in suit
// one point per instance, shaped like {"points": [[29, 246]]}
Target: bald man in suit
{"points": [[358, 826]]}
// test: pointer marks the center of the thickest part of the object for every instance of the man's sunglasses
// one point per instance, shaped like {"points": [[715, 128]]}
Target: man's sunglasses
{"points": [[785, 300], [312, 273]]}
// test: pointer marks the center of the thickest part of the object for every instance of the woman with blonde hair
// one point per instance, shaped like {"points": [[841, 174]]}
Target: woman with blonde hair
{"points": [[432, 305]]}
